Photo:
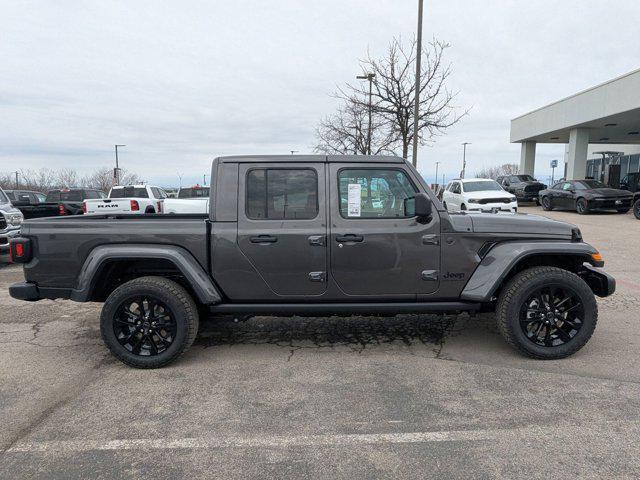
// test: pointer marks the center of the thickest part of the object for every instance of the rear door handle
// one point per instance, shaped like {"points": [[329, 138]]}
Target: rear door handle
{"points": [[349, 237], [264, 239]]}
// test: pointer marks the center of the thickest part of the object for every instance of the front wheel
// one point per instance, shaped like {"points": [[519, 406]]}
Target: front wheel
{"points": [[582, 206], [547, 312], [636, 209], [546, 204], [148, 322]]}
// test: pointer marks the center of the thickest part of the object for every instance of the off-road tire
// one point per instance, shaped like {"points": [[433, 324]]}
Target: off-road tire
{"points": [[181, 304], [582, 206], [546, 204], [636, 209], [516, 292]]}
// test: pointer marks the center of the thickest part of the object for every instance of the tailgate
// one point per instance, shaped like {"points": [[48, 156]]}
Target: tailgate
{"points": [[108, 205]]}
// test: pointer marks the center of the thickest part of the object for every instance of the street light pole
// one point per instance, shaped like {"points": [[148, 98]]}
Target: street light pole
{"points": [[17, 184], [437, 163], [416, 112], [370, 77], [464, 158], [116, 172]]}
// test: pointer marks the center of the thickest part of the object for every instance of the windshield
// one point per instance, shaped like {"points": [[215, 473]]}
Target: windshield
{"points": [[196, 192], [481, 186], [586, 184], [3, 197], [521, 178], [129, 192]]}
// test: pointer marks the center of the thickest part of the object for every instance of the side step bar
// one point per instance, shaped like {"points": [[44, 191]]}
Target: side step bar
{"points": [[315, 309]]}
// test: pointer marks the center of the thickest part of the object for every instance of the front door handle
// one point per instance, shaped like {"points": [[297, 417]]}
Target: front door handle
{"points": [[264, 239], [349, 237]]}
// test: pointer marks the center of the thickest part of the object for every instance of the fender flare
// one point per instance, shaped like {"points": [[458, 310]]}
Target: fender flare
{"points": [[503, 257], [196, 276]]}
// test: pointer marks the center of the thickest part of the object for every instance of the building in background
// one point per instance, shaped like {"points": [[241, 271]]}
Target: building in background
{"points": [[604, 118]]}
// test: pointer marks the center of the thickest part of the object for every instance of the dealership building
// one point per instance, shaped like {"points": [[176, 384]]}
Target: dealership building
{"points": [[600, 126]]}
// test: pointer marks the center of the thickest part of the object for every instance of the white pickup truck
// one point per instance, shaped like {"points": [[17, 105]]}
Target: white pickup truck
{"points": [[133, 199], [190, 200]]}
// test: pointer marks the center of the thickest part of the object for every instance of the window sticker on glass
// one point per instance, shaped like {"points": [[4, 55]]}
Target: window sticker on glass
{"points": [[354, 200]]}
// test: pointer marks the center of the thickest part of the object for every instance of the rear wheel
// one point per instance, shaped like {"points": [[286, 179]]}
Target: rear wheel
{"points": [[547, 312], [463, 207], [636, 209], [546, 204], [148, 322], [582, 206]]}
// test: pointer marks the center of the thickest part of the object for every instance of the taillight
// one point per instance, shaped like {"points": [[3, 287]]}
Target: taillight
{"points": [[61, 210], [135, 206], [84, 207], [20, 250], [159, 209]]}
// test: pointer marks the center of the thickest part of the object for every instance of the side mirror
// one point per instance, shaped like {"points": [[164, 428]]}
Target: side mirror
{"points": [[419, 206]]}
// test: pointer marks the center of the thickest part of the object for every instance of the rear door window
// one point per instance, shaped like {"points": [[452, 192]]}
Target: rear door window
{"points": [[282, 194]]}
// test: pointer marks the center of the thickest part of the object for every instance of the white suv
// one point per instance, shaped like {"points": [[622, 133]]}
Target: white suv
{"points": [[478, 195]]}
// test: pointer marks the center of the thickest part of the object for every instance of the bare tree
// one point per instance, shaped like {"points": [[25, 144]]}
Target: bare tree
{"points": [[102, 179], [346, 132], [394, 92], [498, 171]]}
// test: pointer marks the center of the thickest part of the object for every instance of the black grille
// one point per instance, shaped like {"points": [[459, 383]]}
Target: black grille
{"points": [[533, 188], [484, 201], [3, 222]]}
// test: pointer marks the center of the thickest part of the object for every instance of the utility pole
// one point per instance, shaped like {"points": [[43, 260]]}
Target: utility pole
{"points": [[204, 180], [464, 158], [116, 171], [437, 163], [370, 77], [416, 112], [17, 184]]}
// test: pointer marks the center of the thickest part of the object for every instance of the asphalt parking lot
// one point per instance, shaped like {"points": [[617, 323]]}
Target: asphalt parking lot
{"points": [[403, 397]]}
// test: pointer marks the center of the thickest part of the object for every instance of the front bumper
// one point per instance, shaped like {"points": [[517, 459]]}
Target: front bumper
{"points": [[600, 281], [527, 196], [7, 235], [493, 207], [610, 203]]}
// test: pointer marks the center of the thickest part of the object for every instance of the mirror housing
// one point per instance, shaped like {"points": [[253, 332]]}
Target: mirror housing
{"points": [[419, 206]]}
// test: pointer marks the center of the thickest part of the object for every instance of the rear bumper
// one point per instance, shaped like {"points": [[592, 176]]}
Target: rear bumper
{"points": [[30, 292], [600, 281]]}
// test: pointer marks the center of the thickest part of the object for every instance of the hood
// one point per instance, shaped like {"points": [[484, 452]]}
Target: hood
{"points": [[528, 183], [520, 224], [8, 208], [609, 192]]}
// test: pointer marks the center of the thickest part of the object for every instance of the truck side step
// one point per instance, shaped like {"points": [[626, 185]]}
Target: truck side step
{"points": [[314, 309]]}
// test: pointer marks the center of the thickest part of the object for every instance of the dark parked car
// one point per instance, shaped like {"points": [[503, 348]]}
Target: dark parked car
{"points": [[524, 187], [314, 235], [69, 200], [32, 204], [585, 196]]}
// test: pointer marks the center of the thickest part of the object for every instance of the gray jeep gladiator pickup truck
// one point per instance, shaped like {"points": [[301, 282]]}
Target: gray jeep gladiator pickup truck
{"points": [[314, 235]]}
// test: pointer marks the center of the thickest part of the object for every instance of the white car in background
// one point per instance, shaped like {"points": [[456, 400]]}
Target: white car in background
{"points": [[190, 200], [131, 199], [478, 195]]}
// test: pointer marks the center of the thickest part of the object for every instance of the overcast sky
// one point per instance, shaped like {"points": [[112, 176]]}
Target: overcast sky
{"points": [[180, 82]]}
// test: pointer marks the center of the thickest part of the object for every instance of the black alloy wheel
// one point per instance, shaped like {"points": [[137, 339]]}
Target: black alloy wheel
{"points": [[148, 322], [552, 315], [546, 203], [582, 207], [144, 325]]}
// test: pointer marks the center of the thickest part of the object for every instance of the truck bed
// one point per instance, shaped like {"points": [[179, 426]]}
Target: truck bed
{"points": [[67, 241]]}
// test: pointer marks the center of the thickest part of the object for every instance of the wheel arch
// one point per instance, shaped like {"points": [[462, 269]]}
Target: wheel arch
{"points": [[505, 260], [109, 265]]}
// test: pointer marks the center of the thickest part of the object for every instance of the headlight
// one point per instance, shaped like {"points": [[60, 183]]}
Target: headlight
{"points": [[513, 199], [473, 200], [14, 218]]}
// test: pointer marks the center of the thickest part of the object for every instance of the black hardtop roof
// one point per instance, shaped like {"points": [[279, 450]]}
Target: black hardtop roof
{"points": [[311, 159]]}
